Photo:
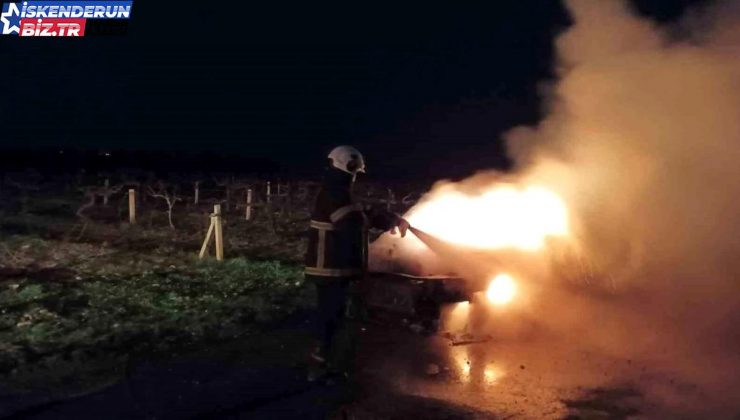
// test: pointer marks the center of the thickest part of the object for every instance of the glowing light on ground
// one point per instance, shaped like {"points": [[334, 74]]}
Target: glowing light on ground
{"points": [[503, 217], [462, 359], [492, 374], [501, 290], [475, 369]]}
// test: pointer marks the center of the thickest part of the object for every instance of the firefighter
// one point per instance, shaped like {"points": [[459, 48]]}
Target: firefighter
{"points": [[336, 258]]}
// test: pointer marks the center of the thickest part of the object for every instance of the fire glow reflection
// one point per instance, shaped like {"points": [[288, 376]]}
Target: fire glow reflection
{"points": [[476, 369], [492, 374]]}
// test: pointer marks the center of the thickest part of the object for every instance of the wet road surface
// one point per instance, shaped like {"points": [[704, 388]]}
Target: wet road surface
{"points": [[402, 375]]}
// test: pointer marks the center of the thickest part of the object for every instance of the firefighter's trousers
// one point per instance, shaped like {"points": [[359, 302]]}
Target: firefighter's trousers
{"points": [[336, 316]]}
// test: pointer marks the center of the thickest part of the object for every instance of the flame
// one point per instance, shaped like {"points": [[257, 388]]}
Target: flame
{"points": [[502, 217], [501, 290]]}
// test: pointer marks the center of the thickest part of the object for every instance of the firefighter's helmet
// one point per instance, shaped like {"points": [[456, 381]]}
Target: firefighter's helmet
{"points": [[347, 159]]}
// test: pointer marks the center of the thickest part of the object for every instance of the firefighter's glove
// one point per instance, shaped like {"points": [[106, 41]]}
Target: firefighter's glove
{"points": [[402, 226]]}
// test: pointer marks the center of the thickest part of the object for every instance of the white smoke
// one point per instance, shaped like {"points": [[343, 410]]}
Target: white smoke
{"points": [[642, 141]]}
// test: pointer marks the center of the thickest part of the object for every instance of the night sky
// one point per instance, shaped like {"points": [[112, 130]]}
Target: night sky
{"points": [[421, 89]]}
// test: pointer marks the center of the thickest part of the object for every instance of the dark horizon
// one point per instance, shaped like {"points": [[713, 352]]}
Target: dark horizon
{"points": [[414, 89]]}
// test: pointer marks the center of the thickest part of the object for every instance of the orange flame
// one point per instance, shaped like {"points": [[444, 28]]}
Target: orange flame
{"points": [[502, 217], [501, 290]]}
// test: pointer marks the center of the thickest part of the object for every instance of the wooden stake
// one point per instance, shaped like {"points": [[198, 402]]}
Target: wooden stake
{"points": [[132, 206], [204, 248], [106, 191], [219, 232], [215, 229], [248, 214]]}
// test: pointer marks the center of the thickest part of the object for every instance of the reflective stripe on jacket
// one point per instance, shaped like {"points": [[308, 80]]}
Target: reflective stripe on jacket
{"points": [[338, 234], [338, 246]]}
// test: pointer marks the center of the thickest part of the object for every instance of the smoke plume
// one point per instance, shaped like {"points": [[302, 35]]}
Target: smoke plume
{"points": [[642, 141]]}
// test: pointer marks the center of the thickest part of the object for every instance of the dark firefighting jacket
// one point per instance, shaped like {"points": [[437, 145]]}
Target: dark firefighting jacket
{"points": [[338, 234]]}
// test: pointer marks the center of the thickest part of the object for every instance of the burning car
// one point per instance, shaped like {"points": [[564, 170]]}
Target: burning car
{"points": [[466, 247]]}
